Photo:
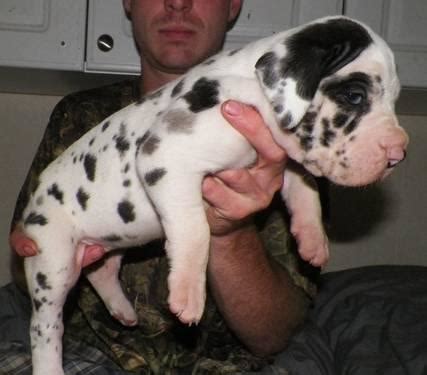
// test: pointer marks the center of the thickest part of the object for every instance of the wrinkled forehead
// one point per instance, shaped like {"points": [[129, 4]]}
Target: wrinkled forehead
{"points": [[377, 61]]}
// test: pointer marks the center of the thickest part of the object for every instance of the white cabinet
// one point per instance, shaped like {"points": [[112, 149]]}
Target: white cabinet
{"points": [[107, 23], [96, 36], [43, 33], [403, 24]]}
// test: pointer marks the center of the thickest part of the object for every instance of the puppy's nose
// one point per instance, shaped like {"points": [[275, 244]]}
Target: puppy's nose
{"points": [[395, 157]]}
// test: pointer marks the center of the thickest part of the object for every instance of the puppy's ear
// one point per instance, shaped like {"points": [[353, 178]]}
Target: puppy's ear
{"points": [[290, 79]]}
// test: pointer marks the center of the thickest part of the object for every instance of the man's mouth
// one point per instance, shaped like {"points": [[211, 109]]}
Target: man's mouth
{"points": [[175, 33]]}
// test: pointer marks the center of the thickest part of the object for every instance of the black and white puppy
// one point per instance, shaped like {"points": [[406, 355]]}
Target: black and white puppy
{"points": [[327, 92]]}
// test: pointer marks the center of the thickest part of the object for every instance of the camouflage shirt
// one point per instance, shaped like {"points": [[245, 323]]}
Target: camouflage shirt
{"points": [[159, 344]]}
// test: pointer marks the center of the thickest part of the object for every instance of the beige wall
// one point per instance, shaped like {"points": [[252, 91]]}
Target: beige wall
{"points": [[23, 119], [382, 224]]}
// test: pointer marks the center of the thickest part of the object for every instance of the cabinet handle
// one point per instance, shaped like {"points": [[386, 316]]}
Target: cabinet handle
{"points": [[105, 43]]}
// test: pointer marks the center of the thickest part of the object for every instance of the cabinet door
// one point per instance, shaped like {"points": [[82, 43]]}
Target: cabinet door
{"points": [[46, 34], [259, 19], [403, 24], [110, 45]]}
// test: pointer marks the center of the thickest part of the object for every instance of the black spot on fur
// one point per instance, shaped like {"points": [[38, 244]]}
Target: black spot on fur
{"points": [[105, 126], [82, 198], [35, 219], [266, 65], [209, 61], [179, 121], [37, 304], [112, 238], [41, 279], [126, 183], [177, 89], [56, 193], [152, 177], [122, 143], [89, 164], [203, 95], [126, 211], [92, 141], [150, 145], [234, 51], [286, 120]]}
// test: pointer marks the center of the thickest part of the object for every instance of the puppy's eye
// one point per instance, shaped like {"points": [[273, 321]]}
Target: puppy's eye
{"points": [[354, 97]]}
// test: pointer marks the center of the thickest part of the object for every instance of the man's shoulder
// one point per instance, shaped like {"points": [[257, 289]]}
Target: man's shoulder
{"points": [[104, 99]]}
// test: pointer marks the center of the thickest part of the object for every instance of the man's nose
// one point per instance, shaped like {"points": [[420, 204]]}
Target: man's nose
{"points": [[178, 5]]}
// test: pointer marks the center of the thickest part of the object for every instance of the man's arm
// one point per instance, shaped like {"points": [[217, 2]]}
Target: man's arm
{"points": [[256, 296]]}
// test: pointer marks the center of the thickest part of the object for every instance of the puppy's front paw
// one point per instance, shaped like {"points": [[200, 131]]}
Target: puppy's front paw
{"points": [[313, 244], [187, 298]]}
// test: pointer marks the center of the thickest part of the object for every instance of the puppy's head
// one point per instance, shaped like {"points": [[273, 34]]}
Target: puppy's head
{"points": [[332, 85]]}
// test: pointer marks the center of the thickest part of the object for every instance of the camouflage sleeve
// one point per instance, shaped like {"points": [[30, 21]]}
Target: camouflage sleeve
{"points": [[74, 115]]}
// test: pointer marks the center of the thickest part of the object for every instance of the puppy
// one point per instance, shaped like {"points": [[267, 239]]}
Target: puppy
{"points": [[326, 90]]}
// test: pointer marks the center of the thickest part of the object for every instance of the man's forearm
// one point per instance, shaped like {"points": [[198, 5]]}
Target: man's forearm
{"points": [[255, 295]]}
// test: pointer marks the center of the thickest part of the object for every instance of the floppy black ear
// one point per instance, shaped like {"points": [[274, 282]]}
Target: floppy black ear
{"points": [[312, 53]]}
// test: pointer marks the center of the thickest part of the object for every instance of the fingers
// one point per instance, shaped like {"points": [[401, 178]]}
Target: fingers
{"points": [[23, 245], [246, 120]]}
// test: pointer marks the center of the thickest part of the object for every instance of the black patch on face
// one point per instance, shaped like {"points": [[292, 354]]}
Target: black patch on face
{"points": [[35, 219], [126, 211], [340, 119], [328, 135], [41, 279], [82, 198], [105, 126], [152, 177], [150, 145], [122, 144], [267, 66], [352, 96], [351, 126], [177, 89], [350, 93], [203, 95], [56, 193], [89, 164], [321, 49]]}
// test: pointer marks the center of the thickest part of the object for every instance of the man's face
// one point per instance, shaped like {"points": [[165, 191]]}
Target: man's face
{"points": [[174, 35]]}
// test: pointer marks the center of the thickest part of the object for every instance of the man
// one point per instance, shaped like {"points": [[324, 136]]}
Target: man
{"points": [[254, 298]]}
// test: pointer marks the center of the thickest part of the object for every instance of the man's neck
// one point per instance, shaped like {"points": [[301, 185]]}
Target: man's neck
{"points": [[152, 79]]}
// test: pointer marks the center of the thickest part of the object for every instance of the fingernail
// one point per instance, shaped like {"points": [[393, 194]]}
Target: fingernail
{"points": [[233, 108]]}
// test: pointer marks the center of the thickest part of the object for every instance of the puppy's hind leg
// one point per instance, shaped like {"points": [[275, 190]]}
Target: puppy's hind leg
{"points": [[104, 277], [50, 275]]}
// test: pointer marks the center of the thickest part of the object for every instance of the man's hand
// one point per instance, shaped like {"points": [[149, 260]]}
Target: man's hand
{"points": [[234, 195]]}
